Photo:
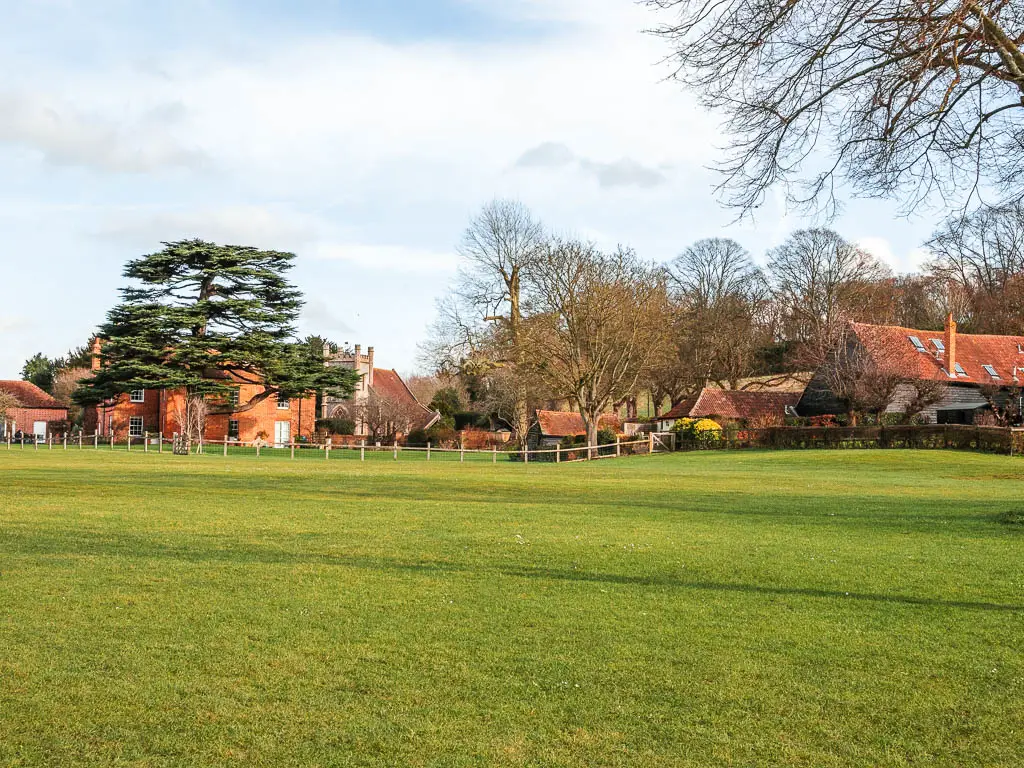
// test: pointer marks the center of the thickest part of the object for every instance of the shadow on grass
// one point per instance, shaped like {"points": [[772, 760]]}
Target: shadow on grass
{"points": [[105, 545]]}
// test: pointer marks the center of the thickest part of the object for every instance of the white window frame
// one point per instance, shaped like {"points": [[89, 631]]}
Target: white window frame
{"points": [[284, 404], [137, 396], [136, 426], [235, 397]]}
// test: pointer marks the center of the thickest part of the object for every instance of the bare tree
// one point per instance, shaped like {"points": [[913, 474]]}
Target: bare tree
{"points": [[8, 403], [922, 395], [190, 412], [597, 323], [1005, 403], [480, 324], [65, 383], [820, 282], [386, 419], [720, 300], [915, 96], [860, 381], [980, 257]]}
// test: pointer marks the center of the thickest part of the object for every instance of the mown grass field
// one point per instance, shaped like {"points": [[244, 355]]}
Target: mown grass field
{"points": [[798, 609]]}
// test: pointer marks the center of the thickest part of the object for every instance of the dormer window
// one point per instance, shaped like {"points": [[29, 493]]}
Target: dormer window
{"points": [[991, 371], [960, 370], [940, 345], [917, 344]]}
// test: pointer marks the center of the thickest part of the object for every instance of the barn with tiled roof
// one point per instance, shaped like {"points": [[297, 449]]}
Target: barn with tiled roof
{"points": [[725, 405], [974, 370]]}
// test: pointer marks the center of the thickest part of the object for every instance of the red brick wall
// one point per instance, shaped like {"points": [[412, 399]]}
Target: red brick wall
{"points": [[25, 418], [115, 417], [259, 422], [161, 409]]}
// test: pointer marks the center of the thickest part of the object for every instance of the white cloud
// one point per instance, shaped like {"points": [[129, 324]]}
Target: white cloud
{"points": [[9, 324], [67, 135], [621, 173], [237, 225], [881, 248], [550, 154], [383, 257]]}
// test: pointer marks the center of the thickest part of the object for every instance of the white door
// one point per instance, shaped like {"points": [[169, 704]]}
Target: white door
{"points": [[282, 433], [39, 429]]}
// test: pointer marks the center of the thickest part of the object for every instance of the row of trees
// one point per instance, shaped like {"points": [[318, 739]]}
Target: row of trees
{"points": [[535, 318]]}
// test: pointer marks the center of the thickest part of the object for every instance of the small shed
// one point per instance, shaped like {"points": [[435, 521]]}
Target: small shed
{"points": [[35, 411], [551, 427], [731, 405]]}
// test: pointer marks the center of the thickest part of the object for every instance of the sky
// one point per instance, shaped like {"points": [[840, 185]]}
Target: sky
{"points": [[362, 136]]}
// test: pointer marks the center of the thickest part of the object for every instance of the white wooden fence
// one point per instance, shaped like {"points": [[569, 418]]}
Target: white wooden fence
{"points": [[328, 452]]}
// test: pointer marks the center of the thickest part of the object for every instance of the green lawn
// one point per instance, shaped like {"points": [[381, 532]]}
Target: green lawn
{"points": [[861, 608]]}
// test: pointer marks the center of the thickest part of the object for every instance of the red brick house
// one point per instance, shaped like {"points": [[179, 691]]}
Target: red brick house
{"points": [[732, 405], [160, 411], [36, 411]]}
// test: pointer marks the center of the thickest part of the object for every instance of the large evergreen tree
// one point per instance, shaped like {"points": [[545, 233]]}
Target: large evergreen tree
{"points": [[204, 317]]}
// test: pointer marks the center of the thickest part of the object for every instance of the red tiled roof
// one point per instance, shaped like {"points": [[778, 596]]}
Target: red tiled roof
{"points": [[388, 384], [890, 346], [681, 411], [30, 396], [570, 423], [733, 404]]}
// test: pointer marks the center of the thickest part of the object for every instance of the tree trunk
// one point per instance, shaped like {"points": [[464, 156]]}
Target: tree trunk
{"points": [[590, 422]]}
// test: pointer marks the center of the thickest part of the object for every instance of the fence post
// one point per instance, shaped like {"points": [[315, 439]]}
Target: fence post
{"points": [[526, 453], [293, 450], [96, 441], [428, 450], [111, 440], [327, 450], [65, 441], [129, 440], [50, 440], [558, 453], [494, 454], [462, 450], [618, 446], [257, 450], [396, 449], [362, 450], [225, 447], [145, 442], [160, 443], [650, 448]]}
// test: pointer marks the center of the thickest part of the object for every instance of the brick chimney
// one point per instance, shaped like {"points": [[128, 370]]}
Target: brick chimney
{"points": [[95, 361], [950, 341]]}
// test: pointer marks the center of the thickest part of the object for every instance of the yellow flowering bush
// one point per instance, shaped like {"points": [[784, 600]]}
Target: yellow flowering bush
{"points": [[704, 431]]}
